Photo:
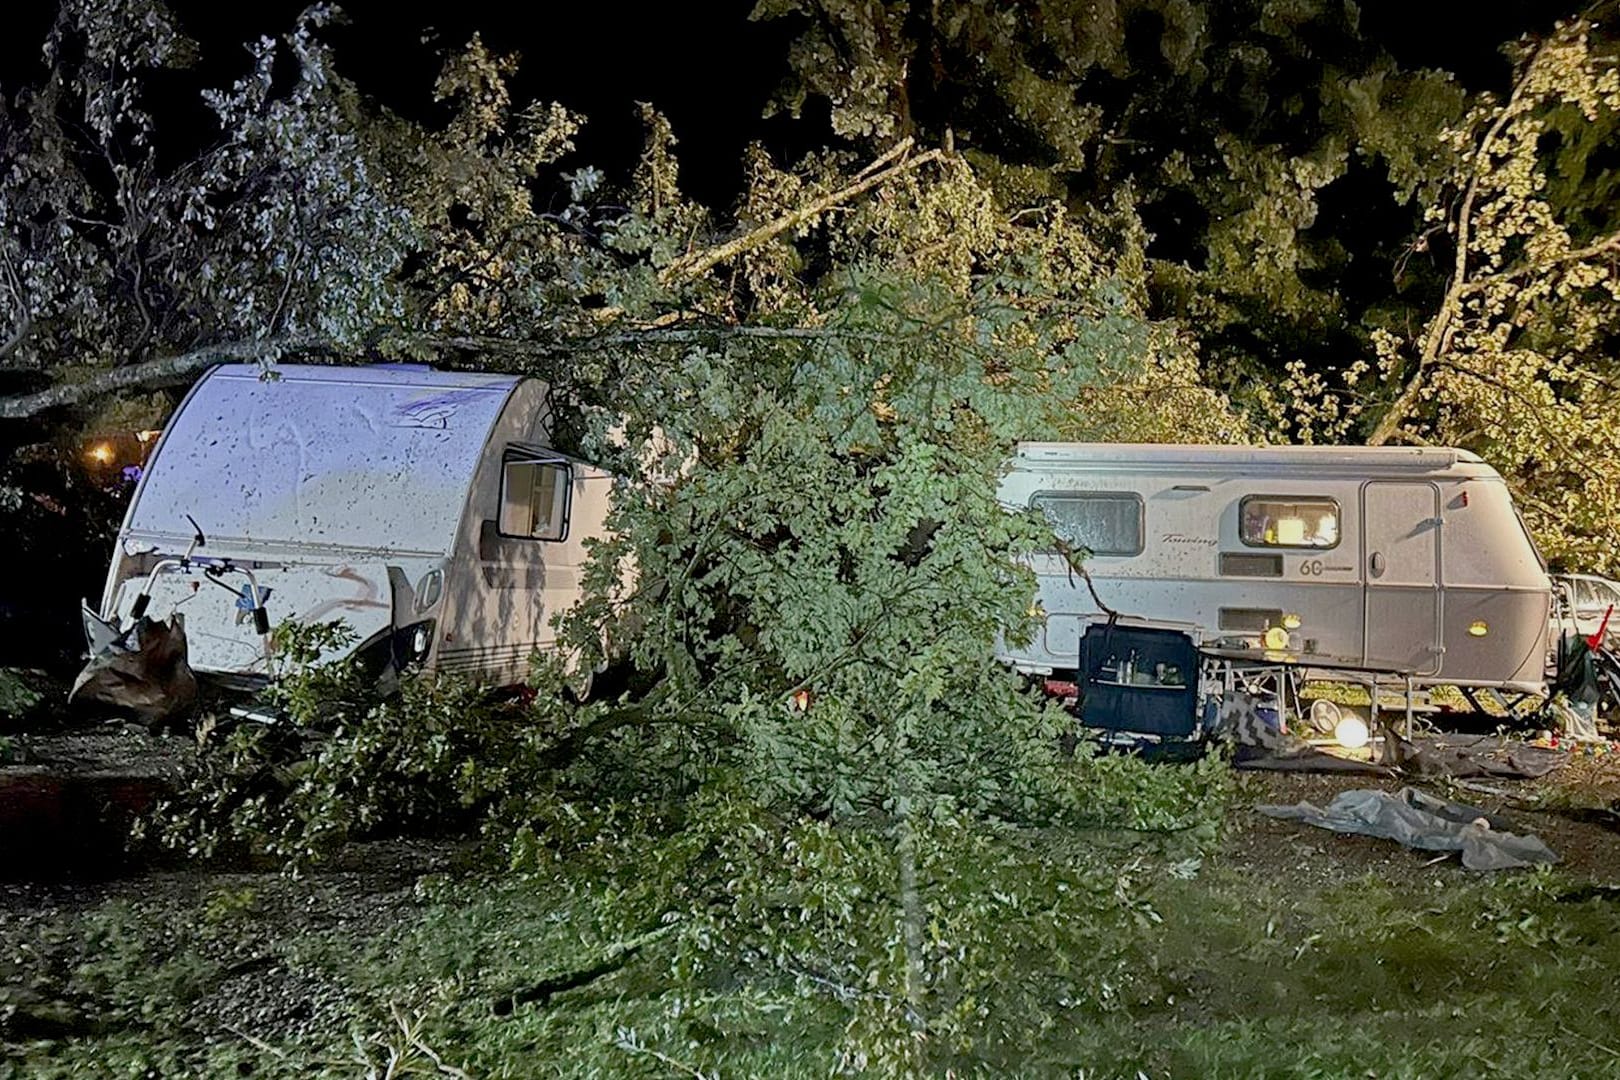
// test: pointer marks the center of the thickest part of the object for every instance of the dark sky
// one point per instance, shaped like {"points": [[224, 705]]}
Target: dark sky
{"points": [[708, 67], [703, 63]]}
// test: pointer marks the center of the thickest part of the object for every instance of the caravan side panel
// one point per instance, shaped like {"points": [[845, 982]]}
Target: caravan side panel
{"points": [[503, 591]]}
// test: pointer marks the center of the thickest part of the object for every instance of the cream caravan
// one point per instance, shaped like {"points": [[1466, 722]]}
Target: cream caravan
{"points": [[426, 509], [1412, 562]]}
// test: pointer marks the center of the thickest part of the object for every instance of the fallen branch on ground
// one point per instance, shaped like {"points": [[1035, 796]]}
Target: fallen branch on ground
{"points": [[618, 955]]}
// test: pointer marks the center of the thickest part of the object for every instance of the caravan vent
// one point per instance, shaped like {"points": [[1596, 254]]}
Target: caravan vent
{"points": [[1244, 564], [1249, 619]]}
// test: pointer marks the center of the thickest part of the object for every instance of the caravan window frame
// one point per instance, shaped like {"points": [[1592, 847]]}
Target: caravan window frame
{"points": [[517, 455], [1134, 496], [1290, 500]]}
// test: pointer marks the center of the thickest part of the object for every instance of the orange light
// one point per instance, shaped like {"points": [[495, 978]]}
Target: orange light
{"points": [[101, 453]]}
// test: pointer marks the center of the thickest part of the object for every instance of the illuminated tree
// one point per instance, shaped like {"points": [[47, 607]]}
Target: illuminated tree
{"points": [[1517, 360]]}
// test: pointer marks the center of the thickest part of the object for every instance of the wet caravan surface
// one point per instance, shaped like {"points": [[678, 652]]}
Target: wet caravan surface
{"points": [[423, 508], [1387, 559]]}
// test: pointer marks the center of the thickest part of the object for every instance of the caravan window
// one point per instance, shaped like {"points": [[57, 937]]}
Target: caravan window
{"points": [[1102, 522], [1287, 522], [534, 496]]}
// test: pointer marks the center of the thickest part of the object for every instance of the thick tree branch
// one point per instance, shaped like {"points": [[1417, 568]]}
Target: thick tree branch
{"points": [[178, 369], [1438, 336], [893, 163], [168, 371]]}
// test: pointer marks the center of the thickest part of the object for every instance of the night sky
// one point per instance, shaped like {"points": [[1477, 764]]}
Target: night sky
{"points": [[704, 64]]}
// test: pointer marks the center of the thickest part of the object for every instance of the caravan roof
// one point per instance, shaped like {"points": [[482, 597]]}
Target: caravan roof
{"points": [[1157, 456], [376, 459]]}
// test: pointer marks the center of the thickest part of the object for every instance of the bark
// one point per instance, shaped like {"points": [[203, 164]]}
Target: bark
{"points": [[167, 371], [1437, 338], [891, 164]]}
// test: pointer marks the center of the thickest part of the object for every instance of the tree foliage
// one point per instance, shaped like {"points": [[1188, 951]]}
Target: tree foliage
{"points": [[1516, 361], [113, 251], [1231, 125]]}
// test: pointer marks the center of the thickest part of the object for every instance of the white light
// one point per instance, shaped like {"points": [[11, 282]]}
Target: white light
{"points": [[1351, 732]]}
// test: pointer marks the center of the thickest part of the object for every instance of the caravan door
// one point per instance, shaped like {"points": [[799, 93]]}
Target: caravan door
{"points": [[1400, 524]]}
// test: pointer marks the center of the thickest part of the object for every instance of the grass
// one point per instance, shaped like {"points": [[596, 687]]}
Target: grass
{"points": [[1239, 975]]}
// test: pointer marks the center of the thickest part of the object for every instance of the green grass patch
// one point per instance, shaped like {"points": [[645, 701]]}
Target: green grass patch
{"points": [[1215, 973]]}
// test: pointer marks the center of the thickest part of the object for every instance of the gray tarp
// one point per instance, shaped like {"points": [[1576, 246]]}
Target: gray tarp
{"points": [[1422, 821]]}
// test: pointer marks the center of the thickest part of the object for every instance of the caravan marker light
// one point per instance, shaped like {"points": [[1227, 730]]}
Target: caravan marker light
{"points": [[1478, 628], [1290, 621], [1350, 732]]}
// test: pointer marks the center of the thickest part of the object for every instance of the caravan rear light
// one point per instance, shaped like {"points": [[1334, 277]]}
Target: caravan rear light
{"points": [[1276, 638], [1061, 688], [411, 644], [429, 589]]}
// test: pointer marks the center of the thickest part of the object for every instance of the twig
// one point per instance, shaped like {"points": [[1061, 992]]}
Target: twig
{"points": [[258, 1043], [1607, 1050], [631, 1043], [14, 285], [413, 1035]]}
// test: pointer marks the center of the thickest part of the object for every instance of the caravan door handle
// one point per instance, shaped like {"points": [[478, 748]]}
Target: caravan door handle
{"points": [[1376, 562]]}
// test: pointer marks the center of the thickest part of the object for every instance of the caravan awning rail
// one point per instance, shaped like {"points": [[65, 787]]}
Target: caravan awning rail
{"points": [[1151, 457]]}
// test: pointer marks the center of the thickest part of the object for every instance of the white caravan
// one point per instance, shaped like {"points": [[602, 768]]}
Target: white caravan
{"points": [[1410, 562], [426, 509]]}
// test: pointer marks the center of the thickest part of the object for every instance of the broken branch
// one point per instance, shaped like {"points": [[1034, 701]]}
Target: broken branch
{"points": [[689, 267], [168, 371]]}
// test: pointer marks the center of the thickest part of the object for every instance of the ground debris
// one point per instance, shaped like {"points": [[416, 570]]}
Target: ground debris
{"points": [[1423, 821]]}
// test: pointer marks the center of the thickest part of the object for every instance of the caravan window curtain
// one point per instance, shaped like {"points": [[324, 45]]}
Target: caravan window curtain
{"points": [[1102, 522]]}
